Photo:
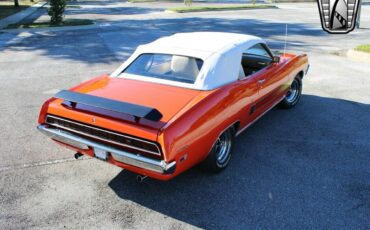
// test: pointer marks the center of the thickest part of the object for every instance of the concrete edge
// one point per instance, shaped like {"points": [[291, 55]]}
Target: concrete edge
{"points": [[358, 55], [52, 29], [20, 15], [214, 10]]}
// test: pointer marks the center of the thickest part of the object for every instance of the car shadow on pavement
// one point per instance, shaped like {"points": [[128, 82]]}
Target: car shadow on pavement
{"points": [[307, 166]]}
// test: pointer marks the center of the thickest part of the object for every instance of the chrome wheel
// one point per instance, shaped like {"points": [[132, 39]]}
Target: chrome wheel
{"points": [[220, 154], [293, 95], [293, 92], [222, 148]]}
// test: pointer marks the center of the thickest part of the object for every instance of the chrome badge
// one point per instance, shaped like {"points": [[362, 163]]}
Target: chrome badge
{"points": [[338, 16]]}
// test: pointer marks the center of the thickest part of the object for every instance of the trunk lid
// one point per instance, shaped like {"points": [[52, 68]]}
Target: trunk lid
{"points": [[168, 100]]}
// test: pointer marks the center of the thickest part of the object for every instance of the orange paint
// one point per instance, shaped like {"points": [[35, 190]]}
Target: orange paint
{"points": [[192, 119]]}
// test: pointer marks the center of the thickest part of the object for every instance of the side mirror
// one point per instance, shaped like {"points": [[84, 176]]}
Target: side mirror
{"points": [[276, 59]]}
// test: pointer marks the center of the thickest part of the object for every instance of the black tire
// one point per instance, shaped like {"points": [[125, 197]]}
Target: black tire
{"points": [[217, 160], [293, 95]]}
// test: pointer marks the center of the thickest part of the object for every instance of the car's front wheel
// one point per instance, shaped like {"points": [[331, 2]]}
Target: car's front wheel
{"points": [[293, 95], [220, 154]]}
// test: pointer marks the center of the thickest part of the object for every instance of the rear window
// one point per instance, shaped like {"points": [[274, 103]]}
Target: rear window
{"points": [[167, 67]]}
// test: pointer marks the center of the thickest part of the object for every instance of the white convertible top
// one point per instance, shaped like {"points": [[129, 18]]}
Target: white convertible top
{"points": [[221, 54]]}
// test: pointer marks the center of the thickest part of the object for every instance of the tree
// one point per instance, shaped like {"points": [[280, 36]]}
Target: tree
{"points": [[56, 11], [16, 3], [188, 2]]}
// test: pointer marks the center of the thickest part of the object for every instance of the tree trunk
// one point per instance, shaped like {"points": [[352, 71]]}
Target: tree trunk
{"points": [[16, 3]]}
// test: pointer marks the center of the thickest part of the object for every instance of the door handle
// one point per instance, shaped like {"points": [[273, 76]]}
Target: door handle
{"points": [[261, 81]]}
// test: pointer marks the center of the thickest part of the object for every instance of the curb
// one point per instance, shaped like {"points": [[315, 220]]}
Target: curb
{"points": [[221, 9], [358, 56], [20, 15], [51, 29]]}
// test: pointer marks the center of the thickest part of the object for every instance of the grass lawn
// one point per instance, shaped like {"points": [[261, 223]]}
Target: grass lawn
{"points": [[7, 7], [218, 8], [363, 48], [68, 22]]}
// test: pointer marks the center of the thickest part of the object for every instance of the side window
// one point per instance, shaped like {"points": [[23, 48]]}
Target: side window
{"points": [[255, 59], [258, 50]]}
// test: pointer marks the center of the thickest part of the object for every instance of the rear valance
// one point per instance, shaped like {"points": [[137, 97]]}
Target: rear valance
{"points": [[138, 111]]}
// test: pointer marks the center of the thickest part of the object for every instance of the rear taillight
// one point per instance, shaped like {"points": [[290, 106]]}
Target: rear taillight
{"points": [[44, 110]]}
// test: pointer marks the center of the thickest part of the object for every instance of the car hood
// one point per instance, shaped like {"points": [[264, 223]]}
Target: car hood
{"points": [[168, 100]]}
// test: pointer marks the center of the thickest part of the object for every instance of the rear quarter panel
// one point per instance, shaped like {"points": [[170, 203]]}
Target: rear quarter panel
{"points": [[192, 134]]}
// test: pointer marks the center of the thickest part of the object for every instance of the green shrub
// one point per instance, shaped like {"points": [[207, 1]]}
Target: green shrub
{"points": [[56, 11], [363, 48]]}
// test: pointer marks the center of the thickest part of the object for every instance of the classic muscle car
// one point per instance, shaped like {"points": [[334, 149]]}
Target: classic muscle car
{"points": [[175, 103]]}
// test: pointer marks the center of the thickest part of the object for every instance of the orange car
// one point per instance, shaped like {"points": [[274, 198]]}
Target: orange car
{"points": [[176, 102]]}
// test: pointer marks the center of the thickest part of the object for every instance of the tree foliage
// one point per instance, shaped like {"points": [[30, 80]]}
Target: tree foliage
{"points": [[188, 2], [56, 11]]}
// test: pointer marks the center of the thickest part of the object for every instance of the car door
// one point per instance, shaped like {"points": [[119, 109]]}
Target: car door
{"points": [[247, 88], [259, 62]]}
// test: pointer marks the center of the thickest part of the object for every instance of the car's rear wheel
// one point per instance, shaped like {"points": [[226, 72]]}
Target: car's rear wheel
{"points": [[293, 95], [220, 154]]}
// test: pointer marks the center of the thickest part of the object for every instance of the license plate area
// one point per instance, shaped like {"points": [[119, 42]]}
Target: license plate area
{"points": [[100, 154]]}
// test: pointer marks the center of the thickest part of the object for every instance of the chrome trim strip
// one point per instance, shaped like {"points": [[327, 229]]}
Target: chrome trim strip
{"points": [[159, 166], [103, 139], [308, 68], [240, 131]]}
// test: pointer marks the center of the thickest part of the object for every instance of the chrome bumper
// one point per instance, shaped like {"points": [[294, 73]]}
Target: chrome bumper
{"points": [[308, 68], [158, 166]]}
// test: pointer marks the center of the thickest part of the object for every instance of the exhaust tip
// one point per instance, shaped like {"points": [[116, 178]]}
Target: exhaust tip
{"points": [[78, 155]]}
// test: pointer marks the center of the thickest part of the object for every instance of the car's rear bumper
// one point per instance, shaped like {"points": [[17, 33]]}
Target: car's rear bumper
{"points": [[131, 159]]}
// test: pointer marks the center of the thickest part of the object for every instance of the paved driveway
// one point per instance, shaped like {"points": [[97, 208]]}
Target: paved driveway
{"points": [[308, 167]]}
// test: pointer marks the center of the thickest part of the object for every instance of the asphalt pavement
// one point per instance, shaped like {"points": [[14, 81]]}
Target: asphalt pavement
{"points": [[304, 168]]}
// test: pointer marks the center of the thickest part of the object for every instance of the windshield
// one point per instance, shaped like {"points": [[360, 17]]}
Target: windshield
{"points": [[167, 67]]}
